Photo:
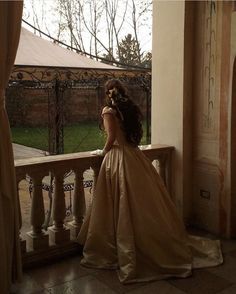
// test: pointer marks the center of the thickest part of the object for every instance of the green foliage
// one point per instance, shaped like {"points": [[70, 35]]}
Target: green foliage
{"points": [[129, 52], [147, 60]]}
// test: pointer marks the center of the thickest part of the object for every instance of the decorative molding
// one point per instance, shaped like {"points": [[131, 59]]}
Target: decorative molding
{"points": [[209, 67], [77, 77]]}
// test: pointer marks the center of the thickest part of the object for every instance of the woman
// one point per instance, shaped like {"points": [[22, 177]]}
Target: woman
{"points": [[133, 225]]}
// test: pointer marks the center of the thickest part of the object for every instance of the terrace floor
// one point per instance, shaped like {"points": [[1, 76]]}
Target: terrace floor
{"points": [[21, 151], [68, 277]]}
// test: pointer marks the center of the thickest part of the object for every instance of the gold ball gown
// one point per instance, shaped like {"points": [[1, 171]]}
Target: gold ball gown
{"points": [[133, 226]]}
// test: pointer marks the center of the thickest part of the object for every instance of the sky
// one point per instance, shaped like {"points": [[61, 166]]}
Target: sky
{"points": [[47, 19]]}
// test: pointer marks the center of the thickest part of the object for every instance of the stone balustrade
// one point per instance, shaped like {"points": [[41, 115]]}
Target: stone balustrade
{"points": [[41, 244]]}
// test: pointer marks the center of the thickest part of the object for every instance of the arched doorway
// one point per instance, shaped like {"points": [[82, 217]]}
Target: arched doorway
{"points": [[233, 155]]}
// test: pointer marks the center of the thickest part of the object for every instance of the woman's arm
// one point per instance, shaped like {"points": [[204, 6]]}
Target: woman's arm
{"points": [[110, 129]]}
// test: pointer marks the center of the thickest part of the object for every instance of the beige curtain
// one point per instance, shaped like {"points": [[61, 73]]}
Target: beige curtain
{"points": [[10, 259]]}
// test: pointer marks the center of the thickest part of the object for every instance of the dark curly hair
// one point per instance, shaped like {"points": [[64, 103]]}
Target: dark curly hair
{"points": [[127, 111]]}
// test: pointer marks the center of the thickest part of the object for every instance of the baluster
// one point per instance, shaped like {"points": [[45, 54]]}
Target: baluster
{"points": [[78, 204], [22, 242], [37, 238], [59, 233]]}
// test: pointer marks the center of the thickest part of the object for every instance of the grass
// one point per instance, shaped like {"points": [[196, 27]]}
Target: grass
{"points": [[83, 137], [32, 137], [78, 137]]}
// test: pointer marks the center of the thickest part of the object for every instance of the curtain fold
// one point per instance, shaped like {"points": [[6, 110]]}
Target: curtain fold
{"points": [[10, 260]]}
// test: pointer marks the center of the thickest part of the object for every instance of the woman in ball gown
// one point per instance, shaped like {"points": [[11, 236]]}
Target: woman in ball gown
{"points": [[133, 226]]}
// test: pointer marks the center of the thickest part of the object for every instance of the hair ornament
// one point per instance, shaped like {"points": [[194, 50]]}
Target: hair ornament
{"points": [[112, 92], [115, 96], [123, 99], [117, 108]]}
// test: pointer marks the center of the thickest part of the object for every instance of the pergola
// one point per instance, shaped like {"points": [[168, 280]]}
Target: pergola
{"points": [[45, 64]]}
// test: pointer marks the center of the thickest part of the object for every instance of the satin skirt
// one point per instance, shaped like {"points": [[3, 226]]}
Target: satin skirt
{"points": [[133, 227]]}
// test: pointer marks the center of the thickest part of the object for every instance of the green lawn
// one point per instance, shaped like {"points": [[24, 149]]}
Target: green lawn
{"points": [[83, 137], [32, 137], [78, 137]]}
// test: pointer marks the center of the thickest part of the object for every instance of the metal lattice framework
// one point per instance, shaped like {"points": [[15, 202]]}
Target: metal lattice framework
{"points": [[60, 79]]}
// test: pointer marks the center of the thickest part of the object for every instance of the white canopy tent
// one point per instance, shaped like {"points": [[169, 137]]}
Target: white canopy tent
{"points": [[36, 51]]}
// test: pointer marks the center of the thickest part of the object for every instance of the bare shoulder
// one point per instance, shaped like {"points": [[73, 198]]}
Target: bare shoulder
{"points": [[108, 110]]}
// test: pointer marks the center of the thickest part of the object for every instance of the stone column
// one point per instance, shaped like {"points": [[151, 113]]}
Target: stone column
{"points": [[59, 233], [37, 239], [78, 204]]}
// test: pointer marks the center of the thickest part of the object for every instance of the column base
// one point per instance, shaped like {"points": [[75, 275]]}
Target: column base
{"points": [[37, 241], [23, 246], [74, 230], [59, 236]]}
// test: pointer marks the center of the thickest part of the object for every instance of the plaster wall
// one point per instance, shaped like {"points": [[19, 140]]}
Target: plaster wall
{"points": [[167, 85], [206, 174], [191, 103], [211, 115]]}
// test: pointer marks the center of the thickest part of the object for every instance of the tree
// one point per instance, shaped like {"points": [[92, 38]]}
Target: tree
{"points": [[96, 27], [129, 51], [147, 60]]}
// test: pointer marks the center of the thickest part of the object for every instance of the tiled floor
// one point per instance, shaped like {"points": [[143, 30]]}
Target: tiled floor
{"points": [[68, 277]]}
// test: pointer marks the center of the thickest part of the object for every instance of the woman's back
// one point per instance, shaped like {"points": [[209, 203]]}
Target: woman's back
{"points": [[119, 131]]}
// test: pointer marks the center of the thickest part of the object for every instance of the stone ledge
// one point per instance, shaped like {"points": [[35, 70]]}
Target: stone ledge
{"points": [[53, 253]]}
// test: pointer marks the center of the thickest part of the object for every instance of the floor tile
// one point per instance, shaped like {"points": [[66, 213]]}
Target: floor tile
{"points": [[160, 287], [232, 253], [84, 285], [201, 282], [230, 290], [110, 278], [228, 245], [68, 276], [28, 285], [59, 272], [227, 270]]}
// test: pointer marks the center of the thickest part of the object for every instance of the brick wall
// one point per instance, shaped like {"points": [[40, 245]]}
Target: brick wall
{"points": [[30, 106]]}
